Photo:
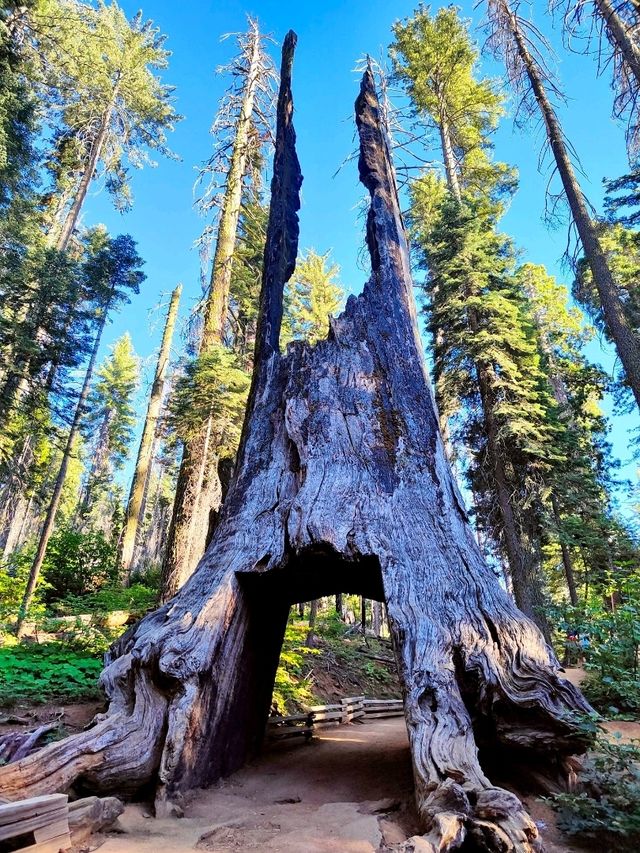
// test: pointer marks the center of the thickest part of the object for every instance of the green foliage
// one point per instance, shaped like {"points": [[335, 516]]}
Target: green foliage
{"points": [[213, 385], [14, 572], [292, 688], [78, 564], [136, 599], [608, 807], [40, 673], [608, 624], [311, 297]]}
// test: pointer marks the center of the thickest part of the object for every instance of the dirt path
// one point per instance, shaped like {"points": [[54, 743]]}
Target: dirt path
{"points": [[337, 794], [348, 791]]}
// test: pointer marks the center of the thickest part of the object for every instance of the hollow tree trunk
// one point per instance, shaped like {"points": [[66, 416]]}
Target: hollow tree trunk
{"points": [[616, 321], [341, 483], [134, 512]]}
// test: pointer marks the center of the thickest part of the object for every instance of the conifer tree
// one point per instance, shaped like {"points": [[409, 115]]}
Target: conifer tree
{"points": [[108, 424], [312, 296], [486, 364], [518, 42], [238, 141], [112, 267], [112, 106]]}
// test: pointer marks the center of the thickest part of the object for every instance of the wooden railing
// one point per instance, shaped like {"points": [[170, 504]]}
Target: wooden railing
{"points": [[322, 716]]}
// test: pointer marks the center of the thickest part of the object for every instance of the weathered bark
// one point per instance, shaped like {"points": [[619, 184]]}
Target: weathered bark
{"points": [[133, 515], [198, 491], [341, 484], [616, 321]]}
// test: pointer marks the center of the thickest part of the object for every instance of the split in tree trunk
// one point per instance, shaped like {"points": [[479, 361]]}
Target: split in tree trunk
{"points": [[341, 484]]}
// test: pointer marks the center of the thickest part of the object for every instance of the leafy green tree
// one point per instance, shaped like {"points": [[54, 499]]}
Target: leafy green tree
{"points": [[490, 386], [111, 106], [622, 248], [239, 132], [313, 295]]}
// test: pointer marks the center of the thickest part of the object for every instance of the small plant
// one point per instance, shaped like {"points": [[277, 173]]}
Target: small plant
{"points": [[51, 671], [608, 807], [292, 688]]}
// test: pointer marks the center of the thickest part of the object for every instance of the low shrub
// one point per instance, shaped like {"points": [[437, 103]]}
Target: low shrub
{"points": [[52, 671], [608, 808]]}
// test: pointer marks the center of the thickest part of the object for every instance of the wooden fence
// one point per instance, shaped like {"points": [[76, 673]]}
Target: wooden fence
{"points": [[323, 716]]}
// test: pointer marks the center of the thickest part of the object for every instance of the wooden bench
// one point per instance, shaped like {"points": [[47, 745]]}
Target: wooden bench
{"points": [[41, 824]]}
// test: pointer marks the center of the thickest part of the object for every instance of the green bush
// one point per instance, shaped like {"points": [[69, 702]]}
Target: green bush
{"points": [[608, 809], [137, 599], [292, 689], [51, 671], [609, 623], [78, 564], [14, 572]]}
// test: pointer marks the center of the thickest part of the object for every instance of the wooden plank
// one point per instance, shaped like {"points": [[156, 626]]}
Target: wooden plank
{"points": [[14, 811], [32, 823], [53, 845], [384, 714], [52, 830]]}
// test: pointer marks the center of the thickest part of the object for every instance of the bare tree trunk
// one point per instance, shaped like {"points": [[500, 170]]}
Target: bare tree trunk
{"points": [[198, 490], [133, 514], [313, 613], [618, 325], [190, 685], [54, 503], [339, 607], [620, 36]]}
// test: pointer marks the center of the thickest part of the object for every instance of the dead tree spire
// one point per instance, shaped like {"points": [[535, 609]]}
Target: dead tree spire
{"points": [[283, 228]]}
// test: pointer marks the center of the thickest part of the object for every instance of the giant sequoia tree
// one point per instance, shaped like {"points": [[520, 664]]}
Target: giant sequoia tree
{"points": [[341, 483]]}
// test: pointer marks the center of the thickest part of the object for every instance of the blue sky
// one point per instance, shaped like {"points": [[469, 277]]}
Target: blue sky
{"points": [[332, 37]]}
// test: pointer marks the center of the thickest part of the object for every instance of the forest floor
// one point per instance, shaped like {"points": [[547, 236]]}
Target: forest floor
{"points": [[349, 790]]}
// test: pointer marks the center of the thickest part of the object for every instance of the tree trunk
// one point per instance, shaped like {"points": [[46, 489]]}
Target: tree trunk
{"points": [[339, 608], [567, 562], [54, 503], [313, 613], [133, 515], [341, 483], [62, 238], [618, 325], [620, 37], [198, 491]]}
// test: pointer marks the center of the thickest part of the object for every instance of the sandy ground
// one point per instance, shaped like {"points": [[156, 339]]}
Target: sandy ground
{"points": [[348, 791]]}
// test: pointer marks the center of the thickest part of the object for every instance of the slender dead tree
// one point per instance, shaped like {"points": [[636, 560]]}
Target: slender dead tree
{"points": [[198, 490], [614, 26], [341, 483], [517, 41], [134, 511]]}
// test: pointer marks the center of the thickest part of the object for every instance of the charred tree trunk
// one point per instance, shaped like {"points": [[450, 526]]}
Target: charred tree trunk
{"points": [[341, 483]]}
